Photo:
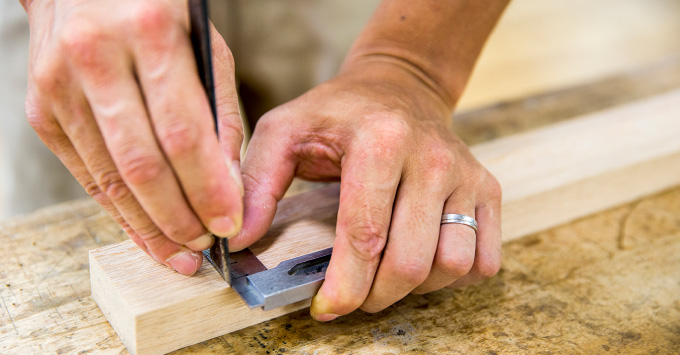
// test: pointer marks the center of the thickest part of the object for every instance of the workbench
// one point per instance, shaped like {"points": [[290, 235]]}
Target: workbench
{"points": [[607, 283]]}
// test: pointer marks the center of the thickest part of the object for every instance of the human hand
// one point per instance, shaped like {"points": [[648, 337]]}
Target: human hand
{"points": [[384, 133], [114, 92]]}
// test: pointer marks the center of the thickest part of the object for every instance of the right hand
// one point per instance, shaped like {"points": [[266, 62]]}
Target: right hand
{"points": [[114, 92]]}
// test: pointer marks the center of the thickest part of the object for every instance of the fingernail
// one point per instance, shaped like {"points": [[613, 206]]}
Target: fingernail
{"points": [[185, 263], [224, 227], [235, 172], [325, 317], [201, 243], [320, 309]]}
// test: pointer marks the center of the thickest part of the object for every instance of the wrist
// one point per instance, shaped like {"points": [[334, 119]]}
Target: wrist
{"points": [[417, 67], [436, 41], [401, 80]]}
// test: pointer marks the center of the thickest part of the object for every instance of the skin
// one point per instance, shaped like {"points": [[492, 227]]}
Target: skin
{"points": [[381, 126], [104, 81], [104, 78]]}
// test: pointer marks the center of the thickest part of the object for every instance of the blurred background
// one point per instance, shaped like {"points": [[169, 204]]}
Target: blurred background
{"points": [[283, 48]]}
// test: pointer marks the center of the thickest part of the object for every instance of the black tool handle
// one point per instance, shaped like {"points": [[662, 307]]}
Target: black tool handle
{"points": [[200, 40]]}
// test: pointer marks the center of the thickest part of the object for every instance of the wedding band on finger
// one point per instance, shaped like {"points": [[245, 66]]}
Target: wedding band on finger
{"points": [[459, 219]]}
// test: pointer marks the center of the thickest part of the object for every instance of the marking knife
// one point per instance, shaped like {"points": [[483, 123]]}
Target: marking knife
{"points": [[292, 280]]}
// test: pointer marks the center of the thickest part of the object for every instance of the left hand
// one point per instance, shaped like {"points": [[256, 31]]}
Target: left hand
{"points": [[385, 134]]}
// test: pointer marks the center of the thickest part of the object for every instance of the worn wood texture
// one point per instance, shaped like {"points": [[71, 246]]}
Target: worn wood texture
{"points": [[603, 284], [550, 176], [155, 310]]}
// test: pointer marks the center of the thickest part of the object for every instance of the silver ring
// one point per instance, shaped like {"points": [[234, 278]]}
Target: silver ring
{"points": [[459, 219]]}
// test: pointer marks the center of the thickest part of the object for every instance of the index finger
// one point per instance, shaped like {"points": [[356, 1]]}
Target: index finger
{"points": [[368, 187], [181, 116]]}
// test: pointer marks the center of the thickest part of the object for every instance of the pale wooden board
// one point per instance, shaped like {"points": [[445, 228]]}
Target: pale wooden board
{"points": [[574, 168], [550, 176], [545, 45]]}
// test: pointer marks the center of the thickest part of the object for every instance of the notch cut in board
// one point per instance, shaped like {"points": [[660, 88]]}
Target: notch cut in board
{"points": [[550, 176]]}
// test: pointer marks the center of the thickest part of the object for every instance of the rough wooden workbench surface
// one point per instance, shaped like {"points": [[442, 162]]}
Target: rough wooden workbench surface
{"points": [[608, 283]]}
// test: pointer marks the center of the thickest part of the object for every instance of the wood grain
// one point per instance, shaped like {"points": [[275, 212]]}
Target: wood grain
{"points": [[550, 176], [543, 46], [155, 310], [568, 170], [508, 117], [559, 291]]}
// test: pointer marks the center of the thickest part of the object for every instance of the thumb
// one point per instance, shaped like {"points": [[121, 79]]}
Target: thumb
{"points": [[230, 126], [268, 170]]}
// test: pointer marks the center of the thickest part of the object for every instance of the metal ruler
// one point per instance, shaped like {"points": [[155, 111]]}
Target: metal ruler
{"points": [[291, 281]]}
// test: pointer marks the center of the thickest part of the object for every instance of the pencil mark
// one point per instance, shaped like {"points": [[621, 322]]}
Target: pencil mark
{"points": [[9, 315], [39, 293], [53, 269], [75, 293], [93, 236], [52, 301]]}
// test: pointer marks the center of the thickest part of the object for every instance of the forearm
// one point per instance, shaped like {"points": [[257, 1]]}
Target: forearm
{"points": [[437, 41]]}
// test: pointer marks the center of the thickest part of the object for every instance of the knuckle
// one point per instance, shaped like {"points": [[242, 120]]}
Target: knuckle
{"points": [[152, 236], [368, 240], [267, 123], [80, 39], [414, 271], [183, 232], [112, 186], [456, 264], [180, 229], [45, 75], [487, 266], [440, 165], [46, 127], [389, 122], [390, 136], [232, 126], [476, 176], [124, 224], [251, 183], [442, 160], [179, 138], [92, 189], [150, 17], [34, 114], [140, 168]]}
